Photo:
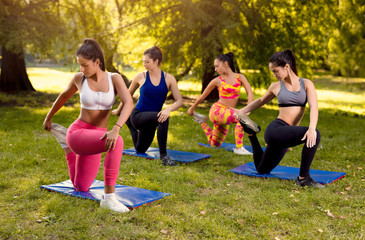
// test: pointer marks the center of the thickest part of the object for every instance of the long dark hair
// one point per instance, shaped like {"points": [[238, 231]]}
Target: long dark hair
{"points": [[154, 53], [228, 57], [91, 50], [282, 58]]}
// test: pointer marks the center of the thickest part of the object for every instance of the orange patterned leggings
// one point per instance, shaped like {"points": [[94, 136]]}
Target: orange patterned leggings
{"points": [[222, 117]]}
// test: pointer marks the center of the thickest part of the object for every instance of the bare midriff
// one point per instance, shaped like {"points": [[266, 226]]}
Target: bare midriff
{"points": [[291, 115], [228, 102], [97, 118]]}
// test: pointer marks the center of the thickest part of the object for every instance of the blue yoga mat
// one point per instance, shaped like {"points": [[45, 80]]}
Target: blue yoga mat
{"points": [[288, 173], [228, 146], [132, 197], [178, 156]]}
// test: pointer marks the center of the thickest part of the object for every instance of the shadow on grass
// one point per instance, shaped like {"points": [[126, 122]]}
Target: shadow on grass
{"points": [[33, 99]]}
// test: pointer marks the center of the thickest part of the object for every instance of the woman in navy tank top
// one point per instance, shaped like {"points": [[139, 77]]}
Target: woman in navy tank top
{"points": [[147, 116], [292, 93]]}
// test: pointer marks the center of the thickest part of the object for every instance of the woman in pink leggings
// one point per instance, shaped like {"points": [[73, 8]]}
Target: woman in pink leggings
{"points": [[87, 138]]}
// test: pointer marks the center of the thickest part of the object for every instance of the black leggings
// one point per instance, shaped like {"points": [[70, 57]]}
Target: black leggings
{"points": [[142, 126], [279, 136]]}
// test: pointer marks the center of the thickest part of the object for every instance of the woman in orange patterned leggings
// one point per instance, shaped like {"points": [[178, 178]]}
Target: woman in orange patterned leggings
{"points": [[229, 85]]}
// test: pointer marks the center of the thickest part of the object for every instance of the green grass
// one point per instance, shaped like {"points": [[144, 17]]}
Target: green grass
{"points": [[207, 201]]}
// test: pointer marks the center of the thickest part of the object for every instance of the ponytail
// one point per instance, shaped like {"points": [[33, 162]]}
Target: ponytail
{"points": [[154, 53], [91, 50], [228, 57], [282, 58]]}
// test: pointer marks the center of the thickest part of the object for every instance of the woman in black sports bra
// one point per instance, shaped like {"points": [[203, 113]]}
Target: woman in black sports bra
{"points": [[292, 93]]}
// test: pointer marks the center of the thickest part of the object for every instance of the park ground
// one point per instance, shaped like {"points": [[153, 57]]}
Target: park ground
{"points": [[207, 201]]}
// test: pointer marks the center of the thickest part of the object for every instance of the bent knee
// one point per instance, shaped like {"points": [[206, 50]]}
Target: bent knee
{"points": [[141, 149], [262, 171], [119, 142], [82, 187]]}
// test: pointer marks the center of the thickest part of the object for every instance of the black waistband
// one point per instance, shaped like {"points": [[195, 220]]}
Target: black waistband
{"points": [[292, 105]]}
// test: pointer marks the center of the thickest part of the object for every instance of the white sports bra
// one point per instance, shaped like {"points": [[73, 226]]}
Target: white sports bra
{"points": [[97, 100]]}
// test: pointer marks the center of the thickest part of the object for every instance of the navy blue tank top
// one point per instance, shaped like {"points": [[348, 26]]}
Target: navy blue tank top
{"points": [[288, 98], [152, 97]]}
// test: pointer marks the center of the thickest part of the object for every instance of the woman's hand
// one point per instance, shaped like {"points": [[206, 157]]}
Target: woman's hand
{"points": [[116, 112], [47, 124], [191, 110], [163, 115], [311, 136], [111, 138], [236, 111]]}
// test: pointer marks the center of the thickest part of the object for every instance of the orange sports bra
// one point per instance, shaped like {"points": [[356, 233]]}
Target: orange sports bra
{"points": [[228, 91]]}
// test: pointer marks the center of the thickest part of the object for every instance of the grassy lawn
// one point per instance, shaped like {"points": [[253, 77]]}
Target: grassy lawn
{"points": [[207, 201]]}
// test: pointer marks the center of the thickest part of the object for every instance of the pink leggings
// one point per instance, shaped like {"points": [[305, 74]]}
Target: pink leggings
{"points": [[84, 162], [222, 117]]}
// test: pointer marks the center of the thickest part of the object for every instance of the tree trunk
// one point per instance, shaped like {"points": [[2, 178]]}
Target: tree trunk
{"points": [[208, 71], [14, 77], [111, 68], [211, 45]]}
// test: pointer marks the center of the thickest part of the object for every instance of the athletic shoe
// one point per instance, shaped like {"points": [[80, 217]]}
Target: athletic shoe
{"points": [[200, 117], [59, 132], [248, 125], [241, 151], [113, 204], [309, 182], [166, 160]]}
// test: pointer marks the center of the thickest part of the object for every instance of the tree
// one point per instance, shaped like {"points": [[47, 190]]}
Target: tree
{"points": [[347, 54], [193, 33], [189, 34], [264, 27], [211, 44], [24, 24], [105, 21]]}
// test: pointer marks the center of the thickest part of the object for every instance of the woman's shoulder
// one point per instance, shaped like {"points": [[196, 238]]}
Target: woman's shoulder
{"points": [[217, 80], [115, 76], [77, 77], [169, 77], [308, 83], [274, 88], [274, 85], [242, 77], [141, 76], [305, 80]]}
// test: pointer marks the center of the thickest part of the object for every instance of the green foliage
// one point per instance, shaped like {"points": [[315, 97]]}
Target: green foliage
{"points": [[263, 27], [193, 33], [110, 23], [347, 55], [31, 24], [207, 201], [323, 34]]}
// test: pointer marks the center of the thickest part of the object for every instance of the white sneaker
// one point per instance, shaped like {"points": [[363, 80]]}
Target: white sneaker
{"points": [[59, 132], [200, 117], [241, 151], [113, 204]]}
